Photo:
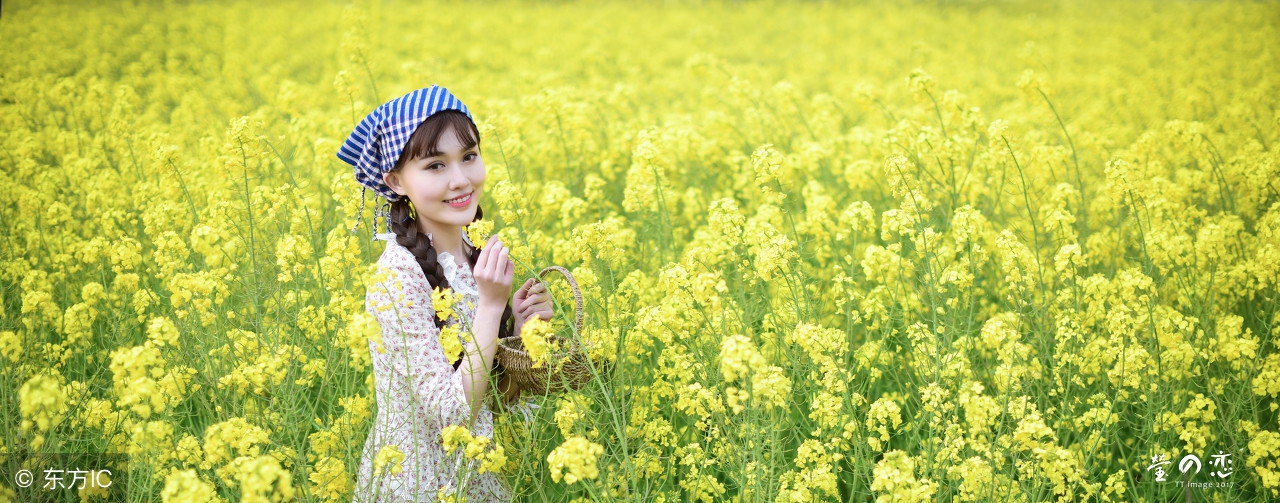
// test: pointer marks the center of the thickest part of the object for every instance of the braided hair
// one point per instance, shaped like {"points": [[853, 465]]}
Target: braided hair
{"points": [[405, 226]]}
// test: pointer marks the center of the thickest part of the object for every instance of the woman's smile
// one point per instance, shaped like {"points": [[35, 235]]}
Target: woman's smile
{"points": [[462, 201]]}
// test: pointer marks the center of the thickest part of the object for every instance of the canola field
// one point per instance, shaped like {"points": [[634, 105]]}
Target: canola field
{"points": [[906, 251]]}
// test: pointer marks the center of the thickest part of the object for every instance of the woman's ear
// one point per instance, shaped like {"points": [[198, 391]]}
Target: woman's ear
{"points": [[392, 179]]}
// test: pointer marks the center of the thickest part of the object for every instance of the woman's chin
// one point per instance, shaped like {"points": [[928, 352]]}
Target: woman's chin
{"points": [[462, 218]]}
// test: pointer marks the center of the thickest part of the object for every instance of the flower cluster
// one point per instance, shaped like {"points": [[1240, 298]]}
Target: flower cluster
{"points": [[488, 456], [575, 460]]}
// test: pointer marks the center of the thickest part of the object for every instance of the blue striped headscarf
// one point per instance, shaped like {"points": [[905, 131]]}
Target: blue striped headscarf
{"points": [[377, 141]]}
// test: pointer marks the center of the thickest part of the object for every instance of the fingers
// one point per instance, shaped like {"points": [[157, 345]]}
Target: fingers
{"points": [[522, 293], [488, 261], [540, 306], [536, 299], [484, 252], [530, 304], [543, 311], [497, 266], [531, 287]]}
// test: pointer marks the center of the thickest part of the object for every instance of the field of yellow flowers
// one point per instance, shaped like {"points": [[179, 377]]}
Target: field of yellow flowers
{"points": [[927, 251]]}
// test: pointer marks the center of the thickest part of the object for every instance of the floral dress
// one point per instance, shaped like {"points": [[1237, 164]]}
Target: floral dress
{"points": [[418, 391]]}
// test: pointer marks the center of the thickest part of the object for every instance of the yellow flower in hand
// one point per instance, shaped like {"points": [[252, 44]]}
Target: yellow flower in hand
{"points": [[479, 231]]}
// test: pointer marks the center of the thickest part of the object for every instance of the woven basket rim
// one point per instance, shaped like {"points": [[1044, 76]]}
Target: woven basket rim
{"points": [[515, 359]]}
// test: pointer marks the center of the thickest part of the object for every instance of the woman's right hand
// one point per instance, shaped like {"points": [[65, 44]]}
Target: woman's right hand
{"points": [[494, 272]]}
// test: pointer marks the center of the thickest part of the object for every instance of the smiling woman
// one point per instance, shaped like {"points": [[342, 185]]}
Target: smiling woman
{"points": [[442, 303]]}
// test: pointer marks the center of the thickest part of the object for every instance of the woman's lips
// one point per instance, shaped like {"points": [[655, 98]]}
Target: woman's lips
{"points": [[461, 202]]}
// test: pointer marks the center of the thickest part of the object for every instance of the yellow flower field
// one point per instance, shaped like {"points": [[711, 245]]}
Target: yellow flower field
{"points": [[918, 251]]}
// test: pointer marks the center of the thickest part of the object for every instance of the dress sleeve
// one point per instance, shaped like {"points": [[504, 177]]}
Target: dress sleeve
{"points": [[400, 299]]}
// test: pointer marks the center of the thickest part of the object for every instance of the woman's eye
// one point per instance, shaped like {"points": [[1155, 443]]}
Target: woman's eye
{"points": [[435, 165], [472, 156]]}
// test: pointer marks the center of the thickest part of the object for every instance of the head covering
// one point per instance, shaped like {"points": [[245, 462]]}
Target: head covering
{"points": [[376, 143]]}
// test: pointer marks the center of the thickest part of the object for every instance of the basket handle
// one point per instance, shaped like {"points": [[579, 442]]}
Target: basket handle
{"points": [[577, 293]]}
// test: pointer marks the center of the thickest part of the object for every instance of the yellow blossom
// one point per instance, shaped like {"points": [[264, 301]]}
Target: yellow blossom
{"points": [[262, 480], [894, 479], [43, 405], [534, 335], [444, 301], [575, 460], [388, 455], [478, 232], [186, 485]]}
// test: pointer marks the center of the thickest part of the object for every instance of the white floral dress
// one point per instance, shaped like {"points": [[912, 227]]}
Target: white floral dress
{"points": [[418, 391]]}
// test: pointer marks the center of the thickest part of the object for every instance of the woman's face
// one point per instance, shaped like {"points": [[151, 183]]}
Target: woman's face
{"points": [[445, 186]]}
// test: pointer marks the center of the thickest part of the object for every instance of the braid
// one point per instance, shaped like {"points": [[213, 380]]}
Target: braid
{"points": [[408, 236], [417, 242]]}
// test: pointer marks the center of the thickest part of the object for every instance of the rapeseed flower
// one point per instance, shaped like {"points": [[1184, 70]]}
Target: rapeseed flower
{"points": [[187, 486], [534, 335], [444, 302], [479, 231], [43, 405], [894, 479], [263, 480], [388, 460], [574, 460]]}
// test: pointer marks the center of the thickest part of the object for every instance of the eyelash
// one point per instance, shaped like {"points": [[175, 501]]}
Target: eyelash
{"points": [[471, 155]]}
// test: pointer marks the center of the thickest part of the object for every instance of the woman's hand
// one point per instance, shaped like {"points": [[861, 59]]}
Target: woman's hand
{"points": [[493, 274], [532, 299]]}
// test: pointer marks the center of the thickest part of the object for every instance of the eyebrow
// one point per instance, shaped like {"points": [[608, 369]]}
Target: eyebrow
{"points": [[465, 148]]}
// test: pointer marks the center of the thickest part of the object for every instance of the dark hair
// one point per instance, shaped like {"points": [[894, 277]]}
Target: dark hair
{"points": [[423, 143]]}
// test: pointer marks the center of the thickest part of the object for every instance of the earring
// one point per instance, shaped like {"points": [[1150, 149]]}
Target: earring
{"points": [[408, 215]]}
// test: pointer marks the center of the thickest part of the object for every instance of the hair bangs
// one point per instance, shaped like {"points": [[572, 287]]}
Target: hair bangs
{"points": [[425, 141]]}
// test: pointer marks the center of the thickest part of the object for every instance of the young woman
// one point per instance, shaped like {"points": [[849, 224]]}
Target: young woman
{"points": [[422, 152]]}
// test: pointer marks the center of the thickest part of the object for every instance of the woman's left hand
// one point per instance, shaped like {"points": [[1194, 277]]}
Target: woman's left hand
{"points": [[532, 299]]}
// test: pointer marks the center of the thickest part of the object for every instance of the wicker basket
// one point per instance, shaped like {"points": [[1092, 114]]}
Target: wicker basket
{"points": [[570, 374]]}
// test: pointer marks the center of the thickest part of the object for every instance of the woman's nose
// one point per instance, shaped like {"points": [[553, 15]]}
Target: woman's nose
{"points": [[458, 178]]}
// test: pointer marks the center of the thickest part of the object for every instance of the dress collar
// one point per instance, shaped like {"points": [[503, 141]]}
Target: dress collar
{"points": [[455, 274]]}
